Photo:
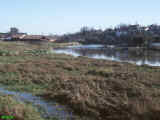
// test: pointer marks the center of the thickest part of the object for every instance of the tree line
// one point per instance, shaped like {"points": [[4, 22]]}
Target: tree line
{"points": [[122, 35]]}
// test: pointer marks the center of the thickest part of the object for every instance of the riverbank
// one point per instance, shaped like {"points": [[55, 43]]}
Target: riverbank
{"points": [[61, 45], [94, 89]]}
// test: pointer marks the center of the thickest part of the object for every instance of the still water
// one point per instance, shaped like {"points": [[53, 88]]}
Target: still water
{"points": [[50, 108], [130, 55]]}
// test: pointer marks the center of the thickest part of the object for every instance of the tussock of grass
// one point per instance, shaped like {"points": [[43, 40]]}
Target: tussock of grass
{"points": [[101, 72]]}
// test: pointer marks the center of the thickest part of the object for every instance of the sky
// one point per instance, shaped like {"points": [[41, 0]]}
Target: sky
{"points": [[69, 16]]}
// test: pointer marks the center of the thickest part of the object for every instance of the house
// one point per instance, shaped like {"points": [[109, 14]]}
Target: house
{"points": [[119, 33], [143, 29], [122, 30], [154, 29], [51, 38], [3, 35], [14, 32], [30, 38]]}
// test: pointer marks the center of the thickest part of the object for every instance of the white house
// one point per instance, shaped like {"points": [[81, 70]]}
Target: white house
{"points": [[119, 33]]}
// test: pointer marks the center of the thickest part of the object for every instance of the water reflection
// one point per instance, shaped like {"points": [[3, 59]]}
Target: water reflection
{"points": [[138, 57]]}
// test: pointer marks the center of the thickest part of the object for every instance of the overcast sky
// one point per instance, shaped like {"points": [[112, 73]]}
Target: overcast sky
{"points": [[67, 16]]}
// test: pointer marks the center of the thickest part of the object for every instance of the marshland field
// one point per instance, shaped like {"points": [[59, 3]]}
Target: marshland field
{"points": [[90, 89]]}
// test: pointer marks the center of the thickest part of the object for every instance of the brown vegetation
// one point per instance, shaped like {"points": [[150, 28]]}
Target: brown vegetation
{"points": [[97, 89]]}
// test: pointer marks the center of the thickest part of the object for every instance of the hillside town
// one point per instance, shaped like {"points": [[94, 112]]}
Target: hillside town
{"points": [[123, 35]]}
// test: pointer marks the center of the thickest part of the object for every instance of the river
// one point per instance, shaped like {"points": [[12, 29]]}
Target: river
{"points": [[130, 55]]}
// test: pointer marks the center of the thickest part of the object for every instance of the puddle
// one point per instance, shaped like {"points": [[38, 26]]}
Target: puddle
{"points": [[52, 109]]}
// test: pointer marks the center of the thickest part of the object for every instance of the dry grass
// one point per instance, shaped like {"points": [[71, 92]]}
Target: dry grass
{"points": [[98, 89]]}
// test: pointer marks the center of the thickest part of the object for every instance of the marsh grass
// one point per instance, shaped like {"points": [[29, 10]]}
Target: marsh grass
{"points": [[96, 89], [101, 72]]}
